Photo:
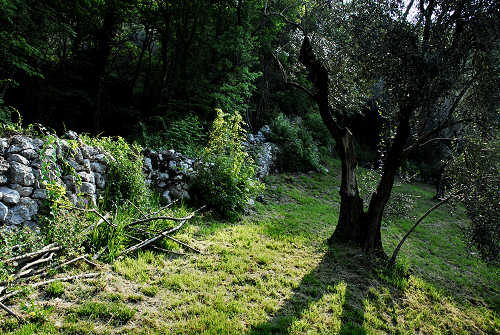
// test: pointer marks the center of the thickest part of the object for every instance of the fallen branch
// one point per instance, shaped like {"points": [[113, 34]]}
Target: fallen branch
{"points": [[32, 255], [8, 310], [81, 276], [152, 240], [37, 262], [92, 210], [94, 226]]}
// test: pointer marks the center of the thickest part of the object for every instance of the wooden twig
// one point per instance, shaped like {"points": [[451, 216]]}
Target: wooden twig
{"points": [[9, 295], [37, 262], [81, 276], [32, 255], [163, 208], [153, 246], [152, 240], [99, 253], [92, 210], [183, 244], [8, 310], [172, 218], [94, 226], [144, 215]]}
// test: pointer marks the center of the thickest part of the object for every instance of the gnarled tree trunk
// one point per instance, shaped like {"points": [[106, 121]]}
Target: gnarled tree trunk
{"points": [[354, 224]]}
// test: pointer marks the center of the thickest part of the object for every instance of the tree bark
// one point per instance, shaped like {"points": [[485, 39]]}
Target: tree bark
{"points": [[354, 224]]}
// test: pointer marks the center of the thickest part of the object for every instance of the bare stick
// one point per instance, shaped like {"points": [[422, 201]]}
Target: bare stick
{"points": [[183, 244], [153, 246], [37, 262], [96, 256], [152, 240], [94, 226], [8, 310], [81, 276], [163, 208], [144, 215], [396, 251], [165, 218], [93, 210], [32, 254], [9, 295]]}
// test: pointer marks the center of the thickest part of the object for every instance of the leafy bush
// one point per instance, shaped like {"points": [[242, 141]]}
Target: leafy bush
{"points": [[475, 177], [226, 178], [125, 180], [319, 132], [298, 150], [186, 135]]}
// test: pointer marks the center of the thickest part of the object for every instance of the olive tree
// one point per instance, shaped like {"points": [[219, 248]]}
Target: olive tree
{"points": [[426, 55]]}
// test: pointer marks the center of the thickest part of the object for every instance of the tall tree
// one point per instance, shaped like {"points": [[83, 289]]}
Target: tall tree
{"points": [[426, 54]]}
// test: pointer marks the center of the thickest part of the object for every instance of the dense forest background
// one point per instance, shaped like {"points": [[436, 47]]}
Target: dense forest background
{"points": [[143, 68]]}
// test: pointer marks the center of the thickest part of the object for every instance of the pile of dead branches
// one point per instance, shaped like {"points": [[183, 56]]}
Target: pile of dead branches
{"points": [[139, 232], [36, 266]]}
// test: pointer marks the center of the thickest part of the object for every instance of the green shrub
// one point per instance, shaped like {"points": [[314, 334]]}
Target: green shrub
{"points": [[298, 149], [125, 180], [226, 179], [55, 289], [186, 135], [319, 132]]}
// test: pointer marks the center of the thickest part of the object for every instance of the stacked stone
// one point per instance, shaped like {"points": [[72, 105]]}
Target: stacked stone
{"points": [[21, 186], [170, 172]]}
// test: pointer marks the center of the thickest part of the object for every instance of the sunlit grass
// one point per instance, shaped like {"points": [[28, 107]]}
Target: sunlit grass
{"points": [[271, 273]]}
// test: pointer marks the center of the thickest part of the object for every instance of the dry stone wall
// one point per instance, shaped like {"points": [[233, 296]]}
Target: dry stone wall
{"points": [[28, 164]]}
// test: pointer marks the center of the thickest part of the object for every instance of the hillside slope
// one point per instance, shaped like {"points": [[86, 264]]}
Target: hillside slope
{"points": [[271, 273]]}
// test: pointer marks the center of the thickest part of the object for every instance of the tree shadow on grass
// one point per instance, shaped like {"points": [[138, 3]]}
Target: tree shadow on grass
{"points": [[337, 287]]}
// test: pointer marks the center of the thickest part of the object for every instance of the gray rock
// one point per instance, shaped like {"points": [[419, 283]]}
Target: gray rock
{"points": [[37, 164], [24, 191], [23, 211], [163, 177], [4, 165], [29, 154], [4, 210], [166, 196], [101, 158], [77, 167], [87, 188], [19, 143], [172, 165], [3, 179], [162, 184], [70, 134], [9, 196], [265, 158], [99, 180], [70, 182], [78, 156], [17, 158], [3, 146], [39, 194], [98, 167], [86, 165], [21, 174], [147, 164], [87, 177], [37, 143]]}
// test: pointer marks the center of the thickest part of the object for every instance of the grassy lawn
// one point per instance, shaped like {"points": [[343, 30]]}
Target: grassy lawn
{"points": [[271, 273]]}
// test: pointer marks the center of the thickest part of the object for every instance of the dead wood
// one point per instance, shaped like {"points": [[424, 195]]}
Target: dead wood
{"points": [[31, 255], [8, 310]]}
